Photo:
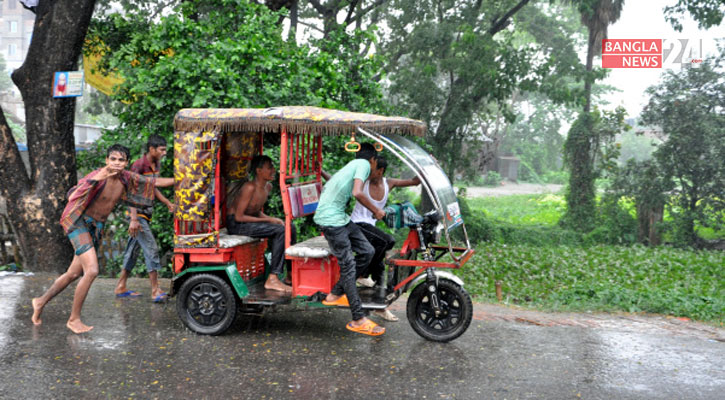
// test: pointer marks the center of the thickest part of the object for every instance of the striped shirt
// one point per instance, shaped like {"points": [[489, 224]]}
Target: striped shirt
{"points": [[139, 192]]}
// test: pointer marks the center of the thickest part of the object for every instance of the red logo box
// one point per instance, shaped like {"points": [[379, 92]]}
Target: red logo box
{"points": [[632, 53]]}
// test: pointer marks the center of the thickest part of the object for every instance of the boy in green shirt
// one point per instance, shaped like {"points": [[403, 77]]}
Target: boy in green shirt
{"points": [[345, 237]]}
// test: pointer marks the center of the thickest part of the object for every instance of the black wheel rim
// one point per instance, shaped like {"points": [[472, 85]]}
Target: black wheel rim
{"points": [[448, 318], [206, 304]]}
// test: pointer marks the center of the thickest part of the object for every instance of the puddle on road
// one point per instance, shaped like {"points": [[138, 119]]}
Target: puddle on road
{"points": [[642, 363], [10, 289]]}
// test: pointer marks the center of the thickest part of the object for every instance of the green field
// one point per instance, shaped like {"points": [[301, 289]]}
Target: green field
{"points": [[544, 267], [526, 209]]}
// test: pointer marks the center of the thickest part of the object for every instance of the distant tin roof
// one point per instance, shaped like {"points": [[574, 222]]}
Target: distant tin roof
{"points": [[24, 147]]}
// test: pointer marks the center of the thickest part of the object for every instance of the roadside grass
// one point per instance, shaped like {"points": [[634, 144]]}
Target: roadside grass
{"points": [[523, 209], [662, 280], [546, 267]]}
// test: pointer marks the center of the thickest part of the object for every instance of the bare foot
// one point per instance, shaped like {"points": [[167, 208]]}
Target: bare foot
{"points": [[273, 283], [78, 326], [120, 290], [37, 310]]}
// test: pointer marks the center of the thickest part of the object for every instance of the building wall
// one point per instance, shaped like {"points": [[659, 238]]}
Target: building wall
{"points": [[16, 31]]}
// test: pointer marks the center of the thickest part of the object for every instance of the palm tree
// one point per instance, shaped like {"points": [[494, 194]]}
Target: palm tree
{"points": [[597, 15], [582, 143]]}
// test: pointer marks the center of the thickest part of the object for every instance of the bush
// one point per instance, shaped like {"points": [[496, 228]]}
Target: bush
{"points": [[556, 177], [492, 178], [604, 278], [616, 223], [478, 226]]}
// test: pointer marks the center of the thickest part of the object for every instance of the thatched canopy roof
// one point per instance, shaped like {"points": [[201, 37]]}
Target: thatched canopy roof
{"points": [[295, 119]]}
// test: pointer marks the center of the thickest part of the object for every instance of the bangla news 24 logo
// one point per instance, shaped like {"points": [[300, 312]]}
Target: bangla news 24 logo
{"points": [[651, 53]]}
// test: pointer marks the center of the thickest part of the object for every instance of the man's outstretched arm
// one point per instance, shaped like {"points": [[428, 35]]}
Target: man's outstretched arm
{"points": [[164, 182]]}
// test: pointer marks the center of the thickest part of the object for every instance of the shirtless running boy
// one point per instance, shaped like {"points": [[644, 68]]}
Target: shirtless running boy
{"points": [[89, 204], [247, 218]]}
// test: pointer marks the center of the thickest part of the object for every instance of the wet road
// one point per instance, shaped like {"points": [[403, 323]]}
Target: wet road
{"points": [[141, 350]]}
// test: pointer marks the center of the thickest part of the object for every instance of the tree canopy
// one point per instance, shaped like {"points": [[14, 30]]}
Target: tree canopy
{"points": [[225, 53], [689, 106], [449, 61]]}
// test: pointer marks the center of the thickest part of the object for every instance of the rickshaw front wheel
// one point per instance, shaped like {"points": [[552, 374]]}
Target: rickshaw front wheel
{"points": [[453, 317], [206, 304]]}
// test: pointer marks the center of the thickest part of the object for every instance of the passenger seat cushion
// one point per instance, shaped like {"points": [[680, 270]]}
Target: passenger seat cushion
{"points": [[227, 241], [317, 247]]}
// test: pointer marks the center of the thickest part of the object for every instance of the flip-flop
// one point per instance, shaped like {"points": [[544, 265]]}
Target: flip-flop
{"points": [[367, 328], [128, 293], [365, 282], [160, 298], [386, 315], [340, 302]]}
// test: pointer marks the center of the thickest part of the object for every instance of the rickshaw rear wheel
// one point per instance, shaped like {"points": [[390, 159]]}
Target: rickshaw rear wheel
{"points": [[456, 311], [206, 304]]}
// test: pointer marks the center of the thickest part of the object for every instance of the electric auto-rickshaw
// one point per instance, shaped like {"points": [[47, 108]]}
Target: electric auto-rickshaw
{"points": [[218, 276]]}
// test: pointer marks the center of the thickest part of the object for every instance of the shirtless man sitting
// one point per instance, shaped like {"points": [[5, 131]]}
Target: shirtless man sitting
{"points": [[247, 218], [89, 204]]}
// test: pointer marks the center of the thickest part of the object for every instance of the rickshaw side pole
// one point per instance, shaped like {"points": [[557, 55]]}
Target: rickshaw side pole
{"points": [[297, 154], [217, 191], [318, 157], [283, 166]]}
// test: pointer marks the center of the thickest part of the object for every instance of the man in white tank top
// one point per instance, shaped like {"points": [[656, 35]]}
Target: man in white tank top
{"points": [[377, 189]]}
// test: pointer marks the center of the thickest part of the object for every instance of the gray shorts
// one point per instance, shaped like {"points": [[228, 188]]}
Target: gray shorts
{"points": [[145, 241]]}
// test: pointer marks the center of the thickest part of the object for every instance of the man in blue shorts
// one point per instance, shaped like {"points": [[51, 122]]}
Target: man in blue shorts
{"points": [[89, 204]]}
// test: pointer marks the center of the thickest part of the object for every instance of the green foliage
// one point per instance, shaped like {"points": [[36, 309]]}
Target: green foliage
{"points": [[18, 130], [605, 278], [519, 219], [535, 139], [478, 226], [452, 68], [12, 267], [707, 13], [544, 266], [556, 177], [589, 150], [635, 146], [225, 53], [639, 183], [526, 210], [492, 178], [688, 106], [5, 82], [580, 161], [616, 223]]}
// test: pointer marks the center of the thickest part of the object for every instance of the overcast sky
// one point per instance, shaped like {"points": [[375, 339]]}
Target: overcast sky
{"points": [[644, 19]]}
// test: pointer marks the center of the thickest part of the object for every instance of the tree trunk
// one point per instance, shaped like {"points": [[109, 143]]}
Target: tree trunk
{"points": [[655, 217], [293, 18], [590, 65], [35, 201]]}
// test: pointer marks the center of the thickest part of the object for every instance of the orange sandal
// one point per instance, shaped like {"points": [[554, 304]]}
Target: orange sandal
{"points": [[340, 302], [367, 328]]}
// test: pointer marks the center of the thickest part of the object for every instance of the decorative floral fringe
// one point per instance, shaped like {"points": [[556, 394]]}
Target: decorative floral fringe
{"points": [[318, 121]]}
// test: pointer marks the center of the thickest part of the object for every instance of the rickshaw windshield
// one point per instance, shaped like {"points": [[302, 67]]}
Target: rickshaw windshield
{"points": [[444, 197]]}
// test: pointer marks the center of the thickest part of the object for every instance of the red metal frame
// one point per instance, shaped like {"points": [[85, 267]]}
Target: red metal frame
{"points": [[412, 243], [300, 158]]}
